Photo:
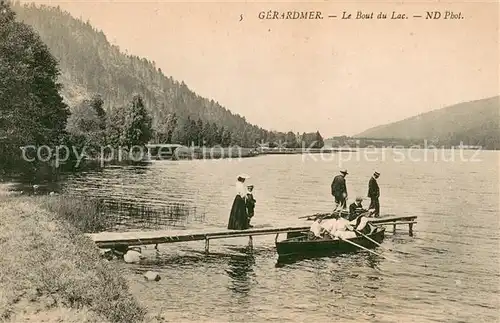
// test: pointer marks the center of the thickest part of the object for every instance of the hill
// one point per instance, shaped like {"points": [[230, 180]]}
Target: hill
{"points": [[473, 123], [91, 65]]}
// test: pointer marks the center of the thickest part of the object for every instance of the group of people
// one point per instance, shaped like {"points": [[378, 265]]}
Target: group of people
{"points": [[356, 219], [335, 226], [339, 192], [243, 207]]}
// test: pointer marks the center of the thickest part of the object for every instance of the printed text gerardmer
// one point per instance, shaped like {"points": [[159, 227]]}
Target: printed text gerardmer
{"points": [[271, 14]]}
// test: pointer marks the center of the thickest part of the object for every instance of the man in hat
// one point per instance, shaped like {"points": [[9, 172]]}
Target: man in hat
{"points": [[339, 189], [355, 209], [374, 194]]}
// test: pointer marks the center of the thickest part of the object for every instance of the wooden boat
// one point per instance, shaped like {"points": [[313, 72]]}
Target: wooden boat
{"points": [[300, 245]]}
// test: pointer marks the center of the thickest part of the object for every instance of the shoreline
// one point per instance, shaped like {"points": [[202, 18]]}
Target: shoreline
{"points": [[212, 153], [50, 271]]}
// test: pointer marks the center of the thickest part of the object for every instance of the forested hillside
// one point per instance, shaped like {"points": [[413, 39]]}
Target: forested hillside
{"points": [[472, 123], [90, 65]]}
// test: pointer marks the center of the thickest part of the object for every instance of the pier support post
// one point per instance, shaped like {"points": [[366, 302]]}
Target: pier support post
{"points": [[250, 243], [394, 229], [207, 245], [410, 229]]}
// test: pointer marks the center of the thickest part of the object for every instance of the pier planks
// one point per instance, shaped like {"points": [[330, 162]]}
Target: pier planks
{"points": [[118, 239], [123, 239]]}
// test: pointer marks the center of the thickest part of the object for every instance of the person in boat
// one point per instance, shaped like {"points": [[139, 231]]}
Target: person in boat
{"points": [[344, 229], [360, 223], [238, 218], [321, 228], [374, 194], [328, 225], [250, 204], [356, 208], [316, 230], [339, 189], [326, 228]]}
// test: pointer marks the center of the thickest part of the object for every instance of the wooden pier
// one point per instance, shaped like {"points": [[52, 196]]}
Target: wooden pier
{"points": [[123, 240], [395, 221]]}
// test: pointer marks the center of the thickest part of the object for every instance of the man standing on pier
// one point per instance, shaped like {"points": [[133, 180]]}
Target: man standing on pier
{"points": [[374, 194], [339, 189]]}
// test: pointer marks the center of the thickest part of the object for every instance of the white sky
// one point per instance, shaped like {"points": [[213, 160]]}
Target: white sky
{"points": [[338, 77]]}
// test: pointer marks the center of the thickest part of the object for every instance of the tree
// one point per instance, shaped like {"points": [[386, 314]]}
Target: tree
{"points": [[129, 125], [214, 135], [291, 140], [87, 125], [226, 138], [97, 104], [31, 109], [199, 132], [178, 133], [220, 136], [194, 133], [244, 142], [116, 125], [171, 126], [187, 135], [138, 130], [207, 134], [319, 143], [164, 127]]}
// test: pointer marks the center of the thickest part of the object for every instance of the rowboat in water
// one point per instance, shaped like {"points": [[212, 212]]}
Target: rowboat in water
{"points": [[301, 245]]}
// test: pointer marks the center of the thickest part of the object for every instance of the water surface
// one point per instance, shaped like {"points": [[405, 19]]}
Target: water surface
{"points": [[451, 275]]}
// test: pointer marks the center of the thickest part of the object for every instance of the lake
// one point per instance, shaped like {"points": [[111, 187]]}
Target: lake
{"points": [[450, 275]]}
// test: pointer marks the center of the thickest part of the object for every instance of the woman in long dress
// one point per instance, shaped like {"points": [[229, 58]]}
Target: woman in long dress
{"points": [[238, 218]]}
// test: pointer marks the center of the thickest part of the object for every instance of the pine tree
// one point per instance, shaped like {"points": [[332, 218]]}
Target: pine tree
{"points": [[97, 104], [171, 126], [199, 132]]}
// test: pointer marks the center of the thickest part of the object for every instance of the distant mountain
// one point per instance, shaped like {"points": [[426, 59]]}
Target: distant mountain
{"points": [[473, 123], [90, 65]]}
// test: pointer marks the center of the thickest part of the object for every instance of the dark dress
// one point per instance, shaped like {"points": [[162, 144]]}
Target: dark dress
{"points": [[238, 218]]}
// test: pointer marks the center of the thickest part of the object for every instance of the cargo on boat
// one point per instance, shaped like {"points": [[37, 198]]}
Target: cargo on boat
{"points": [[301, 245]]}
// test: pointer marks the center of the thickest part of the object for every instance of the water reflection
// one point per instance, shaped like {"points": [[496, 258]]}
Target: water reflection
{"points": [[372, 260], [359, 257], [240, 270]]}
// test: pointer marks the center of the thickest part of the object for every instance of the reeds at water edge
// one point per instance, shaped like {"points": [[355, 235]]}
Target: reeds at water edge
{"points": [[97, 214]]}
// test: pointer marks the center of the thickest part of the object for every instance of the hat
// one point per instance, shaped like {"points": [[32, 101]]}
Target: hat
{"points": [[245, 176], [250, 186], [359, 198], [376, 174], [344, 171]]}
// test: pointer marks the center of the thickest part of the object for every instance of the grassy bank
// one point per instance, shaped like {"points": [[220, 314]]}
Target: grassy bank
{"points": [[50, 272]]}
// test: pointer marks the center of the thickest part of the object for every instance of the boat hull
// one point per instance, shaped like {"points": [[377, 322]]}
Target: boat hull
{"points": [[301, 246]]}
